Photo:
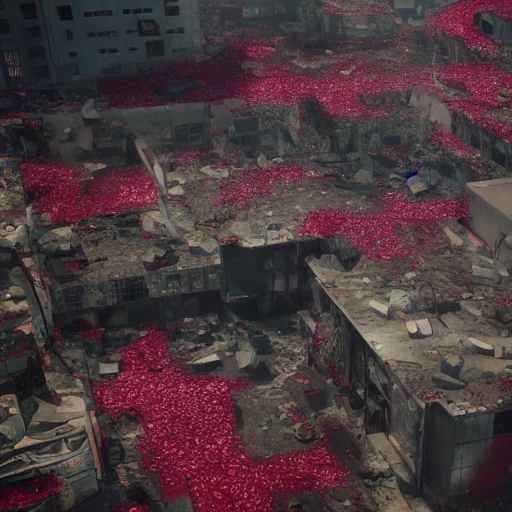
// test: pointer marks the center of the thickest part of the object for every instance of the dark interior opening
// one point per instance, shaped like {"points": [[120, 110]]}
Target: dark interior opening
{"points": [[503, 423]]}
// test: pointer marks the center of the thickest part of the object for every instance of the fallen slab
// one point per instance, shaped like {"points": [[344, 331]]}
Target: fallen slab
{"points": [[424, 327], [381, 309], [446, 382], [481, 347]]}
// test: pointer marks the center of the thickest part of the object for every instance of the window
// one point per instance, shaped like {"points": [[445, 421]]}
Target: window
{"points": [[171, 31], [113, 50], [33, 32], [147, 10], [73, 54], [88, 14], [179, 50], [36, 51], [69, 34], [180, 30], [173, 10], [110, 33], [137, 11], [172, 284], [189, 134], [5, 27], [65, 13], [148, 28], [155, 48], [503, 423], [102, 50], [133, 289], [133, 48], [73, 297], [127, 11], [28, 11], [42, 71], [131, 31]]}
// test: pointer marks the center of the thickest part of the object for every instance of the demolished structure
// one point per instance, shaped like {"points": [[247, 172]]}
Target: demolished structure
{"points": [[349, 163]]}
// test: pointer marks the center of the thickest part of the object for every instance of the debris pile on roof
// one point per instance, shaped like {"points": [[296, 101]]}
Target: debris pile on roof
{"points": [[59, 194], [458, 19], [255, 183], [378, 234], [358, 9], [190, 420], [28, 493]]}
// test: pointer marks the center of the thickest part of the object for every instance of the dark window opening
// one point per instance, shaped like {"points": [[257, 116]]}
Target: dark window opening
{"points": [[131, 31], [91, 34], [487, 28], [113, 50], [73, 297], [173, 284], [148, 28], [172, 11], [137, 11], [88, 14], [475, 141], [180, 30], [73, 54], [102, 50], [503, 423], [133, 48], [189, 134], [171, 31], [36, 52], [127, 11], [65, 12], [147, 10], [42, 72], [69, 35], [155, 48], [5, 27], [133, 289], [33, 32], [499, 157], [28, 11], [392, 140]]}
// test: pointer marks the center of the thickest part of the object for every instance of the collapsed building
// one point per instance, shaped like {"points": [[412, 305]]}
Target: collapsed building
{"points": [[352, 167]]}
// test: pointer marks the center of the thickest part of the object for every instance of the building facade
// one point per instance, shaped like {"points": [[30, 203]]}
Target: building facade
{"points": [[57, 41]]}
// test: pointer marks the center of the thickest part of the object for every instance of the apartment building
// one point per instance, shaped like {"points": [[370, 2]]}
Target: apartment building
{"points": [[57, 41]]}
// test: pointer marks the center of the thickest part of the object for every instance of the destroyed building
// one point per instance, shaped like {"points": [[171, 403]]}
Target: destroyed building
{"points": [[345, 163]]}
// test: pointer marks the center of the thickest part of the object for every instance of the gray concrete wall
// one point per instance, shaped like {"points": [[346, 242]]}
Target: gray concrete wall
{"points": [[102, 34]]}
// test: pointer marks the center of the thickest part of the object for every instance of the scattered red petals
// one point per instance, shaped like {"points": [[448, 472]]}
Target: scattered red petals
{"points": [[457, 146], [191, 439], [377, 234], [252, 183], [187, 156], [487, 85], [357, 9], [58, 191], [22, 495], [247, 50], [93, 334], [457, 19], [130, 507], [502, 302], [506, 383]]}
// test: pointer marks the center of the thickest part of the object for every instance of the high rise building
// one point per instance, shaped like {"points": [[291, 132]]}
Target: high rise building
{"points": [[57, 41]]}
